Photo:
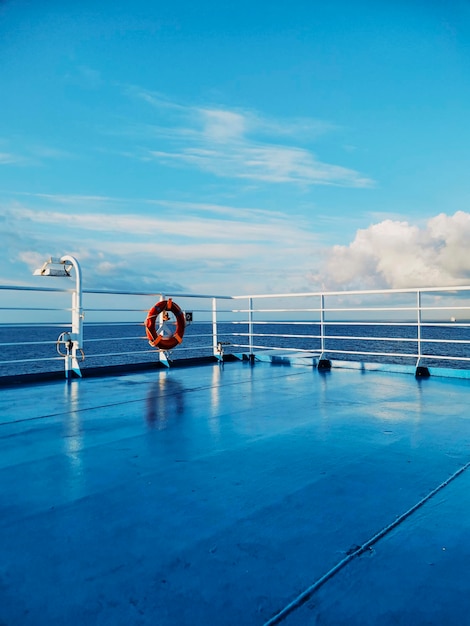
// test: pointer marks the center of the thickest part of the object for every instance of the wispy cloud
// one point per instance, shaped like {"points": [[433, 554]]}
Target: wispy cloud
{"points": [[49, 152], [190, 228], [7, 158], [192, 244], [79, 204], [275, 164], [241, 144], [34, 155]]}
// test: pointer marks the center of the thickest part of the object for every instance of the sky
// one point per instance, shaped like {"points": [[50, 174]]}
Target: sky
{"points": [[234, 148]]}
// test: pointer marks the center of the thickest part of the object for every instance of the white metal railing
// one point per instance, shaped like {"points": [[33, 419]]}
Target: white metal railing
{"points": [[423, 327]]}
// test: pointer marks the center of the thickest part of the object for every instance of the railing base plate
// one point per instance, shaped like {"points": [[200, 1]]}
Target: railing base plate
{"points": [[422, 372]]}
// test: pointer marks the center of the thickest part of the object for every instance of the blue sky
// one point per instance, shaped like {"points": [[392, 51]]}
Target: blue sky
{"points": [[236, 148]]}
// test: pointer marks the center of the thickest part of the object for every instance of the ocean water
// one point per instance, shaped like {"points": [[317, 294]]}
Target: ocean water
{"points": [[26, 349]]}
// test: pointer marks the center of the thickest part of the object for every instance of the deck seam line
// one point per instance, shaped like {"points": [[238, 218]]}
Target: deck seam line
{"points": [[305, 595]]}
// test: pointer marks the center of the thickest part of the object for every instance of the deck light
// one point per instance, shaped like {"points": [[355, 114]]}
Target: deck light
{"points": [[63, 269], [73, 341]]}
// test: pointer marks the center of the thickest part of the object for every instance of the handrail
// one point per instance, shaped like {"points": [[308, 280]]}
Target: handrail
{"points": [[420, 322], [357, 292]]}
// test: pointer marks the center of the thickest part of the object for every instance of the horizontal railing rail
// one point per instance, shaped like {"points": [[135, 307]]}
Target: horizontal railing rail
{"points": [[422, 327]]}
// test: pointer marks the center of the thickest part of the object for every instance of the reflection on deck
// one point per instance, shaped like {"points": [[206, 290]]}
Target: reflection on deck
{"points": [[236, 494]]}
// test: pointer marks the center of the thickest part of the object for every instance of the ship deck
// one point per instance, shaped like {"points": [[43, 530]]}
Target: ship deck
{"points": [[236, 494]]}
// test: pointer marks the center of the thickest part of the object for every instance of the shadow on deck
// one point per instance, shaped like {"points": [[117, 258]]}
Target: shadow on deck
{"points": [[236, 494]]}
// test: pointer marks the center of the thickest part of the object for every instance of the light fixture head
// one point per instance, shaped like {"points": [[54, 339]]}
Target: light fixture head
{"points": [[61, 269]]}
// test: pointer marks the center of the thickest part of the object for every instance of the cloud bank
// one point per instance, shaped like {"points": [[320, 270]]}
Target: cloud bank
{"points": [[398, 254], [214, 248]]}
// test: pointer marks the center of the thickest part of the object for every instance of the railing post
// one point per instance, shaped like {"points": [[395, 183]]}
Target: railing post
{"points": [[322, 324], [250, 327], [323, 364], [215, 351], [420, 370], [418, 319]]}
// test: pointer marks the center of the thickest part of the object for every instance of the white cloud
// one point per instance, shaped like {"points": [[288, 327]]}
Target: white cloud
{"points": [[248, 228], [275, 164], [241, 144], [198, 247], [227, 249], [397, 254], [76, 202], [220, 125]]}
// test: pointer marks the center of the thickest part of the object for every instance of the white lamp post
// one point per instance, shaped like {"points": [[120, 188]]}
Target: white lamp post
{"points": [[73, 341]]}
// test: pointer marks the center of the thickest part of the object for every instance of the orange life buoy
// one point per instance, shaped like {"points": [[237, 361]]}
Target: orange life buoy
{"points": [[156, 339]]}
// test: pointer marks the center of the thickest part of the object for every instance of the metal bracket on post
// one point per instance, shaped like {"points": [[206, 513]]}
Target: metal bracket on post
{"points": [[163, 355], [164, 358]]}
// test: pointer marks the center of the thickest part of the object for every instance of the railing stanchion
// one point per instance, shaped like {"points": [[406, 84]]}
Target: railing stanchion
{"points": [[250, 326], [323, 364], [420, 370], [215, 342], [418, 316]]}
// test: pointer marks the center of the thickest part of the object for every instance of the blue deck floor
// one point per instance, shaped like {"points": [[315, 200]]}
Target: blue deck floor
{"points": [[231, 495]]}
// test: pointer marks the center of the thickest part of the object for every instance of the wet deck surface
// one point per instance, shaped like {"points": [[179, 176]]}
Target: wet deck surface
{"points": [[210, 495]]}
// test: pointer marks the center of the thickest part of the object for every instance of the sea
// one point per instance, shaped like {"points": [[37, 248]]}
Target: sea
{"points": [[34, 349]]}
